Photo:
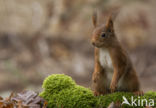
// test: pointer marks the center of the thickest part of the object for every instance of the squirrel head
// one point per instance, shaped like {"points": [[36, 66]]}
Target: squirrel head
{"points": [[103, 35]]}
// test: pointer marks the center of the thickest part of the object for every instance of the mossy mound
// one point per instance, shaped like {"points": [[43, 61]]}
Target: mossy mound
{"points": [[57, 82], [104, 101], [62, 92]]}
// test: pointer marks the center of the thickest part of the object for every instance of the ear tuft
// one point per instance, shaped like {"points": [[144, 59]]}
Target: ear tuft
{"points": [[109, 23], [94, 18], [111, 18]]}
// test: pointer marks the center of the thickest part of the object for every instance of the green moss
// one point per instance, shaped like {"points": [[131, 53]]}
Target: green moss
{"points": [[62, 92], [57, 82], [78, 97], [104, 101]]}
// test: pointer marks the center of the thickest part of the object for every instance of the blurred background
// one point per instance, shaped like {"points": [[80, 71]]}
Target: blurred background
{"points": [[43, 37]]}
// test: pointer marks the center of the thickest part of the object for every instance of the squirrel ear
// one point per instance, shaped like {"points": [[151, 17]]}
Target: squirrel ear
{"points": [[109, 22], [94, 19], [111, 18]]}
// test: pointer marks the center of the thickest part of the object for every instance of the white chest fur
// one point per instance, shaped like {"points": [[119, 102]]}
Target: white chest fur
{"points": [[105, 59], [106, 63]]}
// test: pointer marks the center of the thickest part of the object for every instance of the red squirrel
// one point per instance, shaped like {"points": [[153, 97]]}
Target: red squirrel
{"points": [[113, 70]]}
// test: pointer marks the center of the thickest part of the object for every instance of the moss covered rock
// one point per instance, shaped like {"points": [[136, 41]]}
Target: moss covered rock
{"points": [[57, 82], [62, 92], [104, 101]]}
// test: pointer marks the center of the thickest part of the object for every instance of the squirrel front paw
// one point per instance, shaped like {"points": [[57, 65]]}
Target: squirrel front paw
{"points": [[138, 93], [96, 93], [113, 87]]}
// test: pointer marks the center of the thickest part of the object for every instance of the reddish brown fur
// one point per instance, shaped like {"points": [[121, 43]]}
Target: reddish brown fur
{"points": [[120, 60]]}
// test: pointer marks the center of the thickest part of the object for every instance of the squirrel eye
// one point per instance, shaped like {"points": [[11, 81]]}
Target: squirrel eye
{"points": [[103, 35]]}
